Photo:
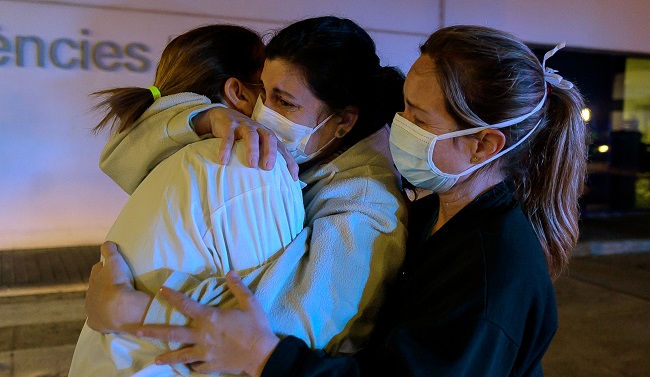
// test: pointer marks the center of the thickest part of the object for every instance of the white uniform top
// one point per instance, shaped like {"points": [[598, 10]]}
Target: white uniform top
{"points": [[194, 216]]}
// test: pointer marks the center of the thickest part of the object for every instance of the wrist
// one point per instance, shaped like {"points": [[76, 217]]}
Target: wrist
{"points": [[131, 307], [261, 351], [200, 123]]}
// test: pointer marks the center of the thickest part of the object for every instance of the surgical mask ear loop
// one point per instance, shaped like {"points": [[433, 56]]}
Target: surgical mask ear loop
{"points": [[513, 146], [303, 142], [551, 77], [474, 130]]}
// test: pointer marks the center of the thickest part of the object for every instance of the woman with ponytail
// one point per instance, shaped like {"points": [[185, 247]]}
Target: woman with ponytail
{"points": [[189, 198], [497, 137]]}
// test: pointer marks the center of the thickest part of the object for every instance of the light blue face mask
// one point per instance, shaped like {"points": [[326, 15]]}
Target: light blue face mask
{"points": [[412, 151], [412, 147]]}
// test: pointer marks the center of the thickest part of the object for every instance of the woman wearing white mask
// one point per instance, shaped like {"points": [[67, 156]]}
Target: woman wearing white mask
{"points": [[499, 139], [329, 100]]}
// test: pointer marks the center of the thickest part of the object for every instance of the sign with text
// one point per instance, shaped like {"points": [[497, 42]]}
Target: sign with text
{"points": [[52, 57]]}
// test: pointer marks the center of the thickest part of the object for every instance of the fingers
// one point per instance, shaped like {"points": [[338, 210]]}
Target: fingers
{"points": [[227, 142], [184, 304], [268, 148], [291, 162], [115, 264], [108, 250], [182, 356], [167, 333], [95, 270], [250, 138], [241, 292]]}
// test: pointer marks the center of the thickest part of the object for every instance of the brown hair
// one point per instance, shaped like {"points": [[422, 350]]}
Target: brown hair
{"points": [[198, 61], [490, 76]]}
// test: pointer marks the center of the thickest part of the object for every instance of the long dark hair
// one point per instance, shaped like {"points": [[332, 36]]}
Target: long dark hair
{"points": [[489, 76], [339, 62], [198, 61]]}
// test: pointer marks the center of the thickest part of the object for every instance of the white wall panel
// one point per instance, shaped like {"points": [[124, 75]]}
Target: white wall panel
{"points": [[51, 191], [595, 24], [419, 16]]}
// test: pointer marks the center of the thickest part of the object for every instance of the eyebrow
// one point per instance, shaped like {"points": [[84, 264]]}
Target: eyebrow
{"points": [[284, 93], [411, 104]]}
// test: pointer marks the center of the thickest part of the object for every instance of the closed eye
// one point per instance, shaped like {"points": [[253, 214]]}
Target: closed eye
{"points": [[285, 103]]}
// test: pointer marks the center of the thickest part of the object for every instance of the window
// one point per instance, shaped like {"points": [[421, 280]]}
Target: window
{"points": [[616, 88]]}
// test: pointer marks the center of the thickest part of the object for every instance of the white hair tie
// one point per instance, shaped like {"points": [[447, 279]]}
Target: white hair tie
{"points": [[550, 75]]}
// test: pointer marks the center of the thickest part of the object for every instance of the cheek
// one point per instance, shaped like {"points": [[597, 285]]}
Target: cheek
{"points": [[248, 109], [448, 157], [300, 116]]}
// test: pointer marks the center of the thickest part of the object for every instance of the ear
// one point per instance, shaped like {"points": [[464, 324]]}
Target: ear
{"points": [[238, 96], [348, 118], [486, 144]]}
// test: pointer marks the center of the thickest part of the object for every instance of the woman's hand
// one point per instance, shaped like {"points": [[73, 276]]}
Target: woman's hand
{"points": [[221, 340], [112, 304], [231, 125]]}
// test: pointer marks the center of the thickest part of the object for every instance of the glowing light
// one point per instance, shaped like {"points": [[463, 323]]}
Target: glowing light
{"points": [[603, 148], [586, 114]]}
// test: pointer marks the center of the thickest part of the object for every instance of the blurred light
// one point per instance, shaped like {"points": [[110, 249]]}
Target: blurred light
{"points": [[586, 114], [603, 148]]}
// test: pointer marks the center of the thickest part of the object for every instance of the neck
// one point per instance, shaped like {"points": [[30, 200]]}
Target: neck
{"points": [[463, 193], [326, 155]]}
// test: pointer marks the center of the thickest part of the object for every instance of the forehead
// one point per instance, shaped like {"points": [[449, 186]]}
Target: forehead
{"points": [[284, 75], [423, 93], [421, 85], [285, 80]]}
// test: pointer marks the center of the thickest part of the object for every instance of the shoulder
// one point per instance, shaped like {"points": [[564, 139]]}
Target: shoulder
{"points": [[511, 246], [206, 153], [364, 172], [198, 163], [518, 291], [177, 103], [371, 154]]}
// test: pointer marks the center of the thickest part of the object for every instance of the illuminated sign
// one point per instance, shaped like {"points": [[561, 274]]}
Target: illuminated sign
{"points": [[71, 54]]}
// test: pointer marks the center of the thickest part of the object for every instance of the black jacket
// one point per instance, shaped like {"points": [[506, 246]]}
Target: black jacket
{"points": [[474, 299]]}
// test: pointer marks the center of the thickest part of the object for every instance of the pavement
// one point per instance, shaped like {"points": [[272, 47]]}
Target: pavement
{"points": [[604, 318], [603, 305]]}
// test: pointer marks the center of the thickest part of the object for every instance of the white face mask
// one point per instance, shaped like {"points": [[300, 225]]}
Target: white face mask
{"points": [[294, 136], [412, 151]]}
